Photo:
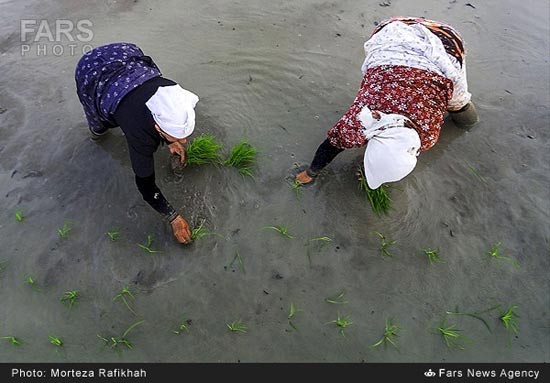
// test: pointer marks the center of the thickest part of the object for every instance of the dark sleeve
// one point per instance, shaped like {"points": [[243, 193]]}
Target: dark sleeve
{"points": [[153, 196], [144, 169], [323, 156]]}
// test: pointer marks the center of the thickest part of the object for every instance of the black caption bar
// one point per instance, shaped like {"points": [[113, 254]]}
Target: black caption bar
{"points": [[166, 372]]}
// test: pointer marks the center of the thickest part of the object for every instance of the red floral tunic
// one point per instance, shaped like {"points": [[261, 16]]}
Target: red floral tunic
{"points": [[420, 95]]}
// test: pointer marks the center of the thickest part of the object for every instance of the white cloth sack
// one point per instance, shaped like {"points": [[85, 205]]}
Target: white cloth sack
{"points": [[391, 149], [173, 110]]}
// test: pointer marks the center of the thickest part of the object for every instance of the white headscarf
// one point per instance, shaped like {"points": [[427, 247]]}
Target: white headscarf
{"points": [[173, 110], [391, 150]]}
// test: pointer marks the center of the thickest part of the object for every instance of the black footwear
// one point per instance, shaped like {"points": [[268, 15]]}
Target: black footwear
{"points": [[467, 116], [96, 135]]}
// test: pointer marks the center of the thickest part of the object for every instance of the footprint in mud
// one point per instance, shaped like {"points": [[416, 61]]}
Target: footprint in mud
{"points": [[147, 275], [152, 279]]}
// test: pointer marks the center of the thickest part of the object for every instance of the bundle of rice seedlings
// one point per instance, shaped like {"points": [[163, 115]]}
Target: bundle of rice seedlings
{"points": [[379, 199], [242, 156], [202, 150]]}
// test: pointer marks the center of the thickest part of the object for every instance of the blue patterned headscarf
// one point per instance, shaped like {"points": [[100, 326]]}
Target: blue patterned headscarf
{"points": [[105, 75]]}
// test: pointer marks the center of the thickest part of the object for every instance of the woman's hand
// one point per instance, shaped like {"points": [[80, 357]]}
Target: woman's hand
{"points": [[179, 149], [181, 229]]}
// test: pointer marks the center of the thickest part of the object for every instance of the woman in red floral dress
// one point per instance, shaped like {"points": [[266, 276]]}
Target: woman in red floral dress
{"points": [[414, 72]]}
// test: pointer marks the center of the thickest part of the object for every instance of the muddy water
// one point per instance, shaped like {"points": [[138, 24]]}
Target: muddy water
{"points": [[279, 75]]}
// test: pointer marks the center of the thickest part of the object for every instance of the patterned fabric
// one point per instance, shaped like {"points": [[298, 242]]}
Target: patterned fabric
{"points": [[420, 95], [416, 46], [105, 75], [451, 39]]}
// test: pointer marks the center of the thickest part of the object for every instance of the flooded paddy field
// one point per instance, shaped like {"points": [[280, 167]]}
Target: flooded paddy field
{"points": [[279, 74]]}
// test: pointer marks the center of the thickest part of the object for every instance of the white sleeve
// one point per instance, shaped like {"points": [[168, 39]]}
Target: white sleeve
{"points": [[461, 96]]}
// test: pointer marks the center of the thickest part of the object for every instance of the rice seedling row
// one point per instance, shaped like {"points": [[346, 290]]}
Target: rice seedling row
{"points": [[510, 320], [57, 342], [433, 255], [385, 245], [124, 295], [114, 235], [64, 231], [342, 323], [495, 253], [19, 217], [477, 315], [391, 331], [237, 326], [451, 336], [12, 340], [32, 283], [116, 342], [69, 298], [283, 230], [183, 327], [337, 299], [148, 244]]}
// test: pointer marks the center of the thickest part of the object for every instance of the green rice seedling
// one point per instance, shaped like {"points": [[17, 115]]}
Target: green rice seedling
{"points": [[297, 188], [390, 333], [379, 198], [510, 320], [183, 327], [475, 172], [147, 246], [293, 310], [293, 326], [202, 150], [337, 299], [113, 235], [283, 230], [64, 231], [19, 217], [116, 342], [125, 293], [237, 326], [239, 260], [384, 245], [342, 323], [242, 157], [433, 255], [451, 335], [13, 340], [321, 239], [495, 253], [32, 283], [200, 231], [55, 341], [477, 315], [69, 298]]}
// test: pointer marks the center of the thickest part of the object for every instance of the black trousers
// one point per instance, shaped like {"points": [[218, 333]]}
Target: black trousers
{"points": [[323, 156]]}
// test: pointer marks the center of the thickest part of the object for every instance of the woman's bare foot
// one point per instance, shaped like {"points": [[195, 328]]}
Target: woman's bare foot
{"points": [[303, 178]]}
